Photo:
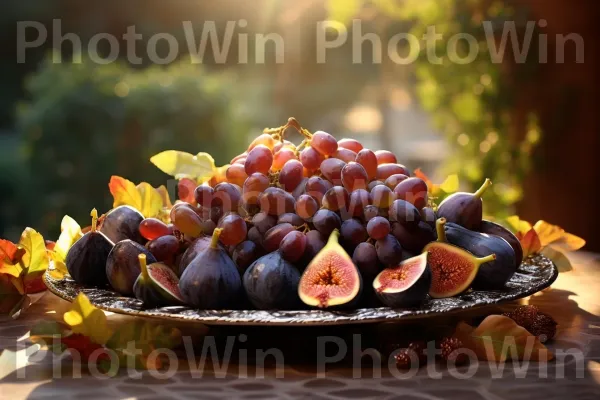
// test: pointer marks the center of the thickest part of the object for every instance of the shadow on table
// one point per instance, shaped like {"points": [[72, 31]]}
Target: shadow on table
{"points": [[303, 349]]}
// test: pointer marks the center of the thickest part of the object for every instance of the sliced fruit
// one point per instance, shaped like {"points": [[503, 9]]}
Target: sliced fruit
{"points": [[492, 275], [157, 285], [331, 279], [406, 285], [453, 269]]}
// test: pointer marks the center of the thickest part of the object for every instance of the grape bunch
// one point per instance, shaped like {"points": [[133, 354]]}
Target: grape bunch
{"points": [[280, 196]]}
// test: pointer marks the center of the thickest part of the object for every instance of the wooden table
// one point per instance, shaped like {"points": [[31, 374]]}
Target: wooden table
{"points": [[574, 301]]}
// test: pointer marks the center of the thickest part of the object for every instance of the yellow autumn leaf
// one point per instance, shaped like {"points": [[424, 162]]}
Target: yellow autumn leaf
{"points": [[151, 200], [9, 259], [58, 270], [87, 320], [548, 233], [143, 197], [180, 164], [124, 192], [451, 184], [518, 225], [557, 236], [499, 338], [164, 195], [569, 242], [35, 258], [70, 232]]}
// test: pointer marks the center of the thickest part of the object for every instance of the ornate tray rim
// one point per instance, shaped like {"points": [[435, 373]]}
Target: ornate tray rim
{"points": [[522, 284]]}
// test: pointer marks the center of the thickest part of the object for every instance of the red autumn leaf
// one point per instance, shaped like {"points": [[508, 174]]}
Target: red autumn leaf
{"points": [[7, 251], [34, 283], [420, 174], [185, 190], [530, 242], [84, 346]]}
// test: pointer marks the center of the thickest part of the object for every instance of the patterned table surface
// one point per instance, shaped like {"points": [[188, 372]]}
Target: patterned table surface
{"points": [[574, 301]]}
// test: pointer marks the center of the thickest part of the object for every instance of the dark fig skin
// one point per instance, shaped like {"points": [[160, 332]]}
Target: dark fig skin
{"points": [[365, 259], [389, 250], [492, 275], [272, 283], [464, 209], [492, 228], [86, 259], [123, 223], [211, 280], [192, 252], [123, 265], [415, 240], [412, 296]]}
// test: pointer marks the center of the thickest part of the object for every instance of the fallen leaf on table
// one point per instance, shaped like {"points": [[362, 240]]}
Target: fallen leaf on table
{"points": [[87, 320], [499, 338], [147, 338]]}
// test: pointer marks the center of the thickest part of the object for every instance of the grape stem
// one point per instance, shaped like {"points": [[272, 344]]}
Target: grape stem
{"points": [[304, 228], [279, 133]]}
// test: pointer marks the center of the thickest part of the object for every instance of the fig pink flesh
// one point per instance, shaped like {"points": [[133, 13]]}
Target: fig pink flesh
{"points": [[449, 270], [402, 277], [332, 281], [166, 278]]}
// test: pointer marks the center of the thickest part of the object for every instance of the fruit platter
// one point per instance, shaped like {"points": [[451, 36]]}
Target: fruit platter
{"points": [[323, 232]]}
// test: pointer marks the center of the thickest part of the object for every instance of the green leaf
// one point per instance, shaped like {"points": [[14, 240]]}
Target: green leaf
{"points": [[180, 164]]}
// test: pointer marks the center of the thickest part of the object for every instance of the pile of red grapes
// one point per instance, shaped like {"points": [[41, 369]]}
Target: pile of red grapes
{"points": [[279, 196]]}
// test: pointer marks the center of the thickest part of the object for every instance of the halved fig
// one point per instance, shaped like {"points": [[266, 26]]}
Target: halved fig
{"points": [[406, 285], [453, 269], [331, 279]]}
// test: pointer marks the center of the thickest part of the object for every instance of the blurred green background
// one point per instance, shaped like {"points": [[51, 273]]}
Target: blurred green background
{"points": [[66, 128]]}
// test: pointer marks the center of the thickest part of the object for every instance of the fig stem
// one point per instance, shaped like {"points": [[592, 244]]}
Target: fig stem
{"points": [[94, 215], [334, 237], [144, 267], [483, 188], [214, 242], [483, 260], [440, 225]]}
